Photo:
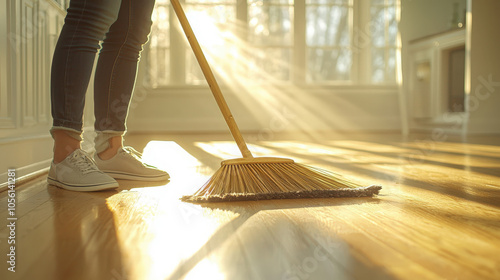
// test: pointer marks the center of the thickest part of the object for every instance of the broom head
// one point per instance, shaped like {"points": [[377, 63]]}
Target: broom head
{"points": [[274, 178]]}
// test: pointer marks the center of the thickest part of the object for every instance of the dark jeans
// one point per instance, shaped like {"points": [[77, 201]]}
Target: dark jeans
{"points": [[124, 25]]}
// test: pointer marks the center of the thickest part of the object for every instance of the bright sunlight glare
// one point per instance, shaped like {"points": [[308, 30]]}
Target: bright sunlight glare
{"points": [[206, 31], [187, 173], [248, 73]]}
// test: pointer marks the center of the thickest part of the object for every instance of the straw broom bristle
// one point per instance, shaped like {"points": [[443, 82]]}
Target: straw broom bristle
{"points": [[260, 178], [275, 180]]}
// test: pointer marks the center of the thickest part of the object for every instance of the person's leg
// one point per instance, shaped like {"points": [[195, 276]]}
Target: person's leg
{"points": [[116, 73], [113, 143], [65, 142], [114, 84], [85, 25]]}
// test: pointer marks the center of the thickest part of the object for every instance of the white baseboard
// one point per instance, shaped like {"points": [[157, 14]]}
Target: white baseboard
{"points": [[483, 126], [26, 173], [29, 155]]}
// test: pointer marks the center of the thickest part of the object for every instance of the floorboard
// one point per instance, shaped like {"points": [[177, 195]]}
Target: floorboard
{"points": [[437, 216]]}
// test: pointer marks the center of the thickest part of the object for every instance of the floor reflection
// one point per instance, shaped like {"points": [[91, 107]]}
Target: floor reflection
{"points": [[85, 237]]}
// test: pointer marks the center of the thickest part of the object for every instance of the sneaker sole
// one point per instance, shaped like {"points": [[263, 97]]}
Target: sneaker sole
{"points": [[127, 176], [83, 188]]}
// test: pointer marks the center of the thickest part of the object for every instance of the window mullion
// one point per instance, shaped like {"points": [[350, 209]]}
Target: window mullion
{"points": [[355, 42], [388, 44], [177, 50], [363, 43], [299, 42], [242, 17]]}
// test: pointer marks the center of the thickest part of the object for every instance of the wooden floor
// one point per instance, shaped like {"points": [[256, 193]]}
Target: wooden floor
{"points": [[437, 216]]}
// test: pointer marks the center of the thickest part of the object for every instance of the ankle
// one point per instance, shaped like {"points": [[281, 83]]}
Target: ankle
{"points": [[61, 154], [115, 143], [64, 145]]}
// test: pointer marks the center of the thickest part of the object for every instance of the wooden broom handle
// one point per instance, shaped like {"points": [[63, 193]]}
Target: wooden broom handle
{"points": [[209, 76]]}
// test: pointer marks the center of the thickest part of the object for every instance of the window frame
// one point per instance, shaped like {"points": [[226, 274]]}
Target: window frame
{"points": [[361, 47]]}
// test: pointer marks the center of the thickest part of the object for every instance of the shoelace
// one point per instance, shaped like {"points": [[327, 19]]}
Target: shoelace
{"points": [[84, 162]]}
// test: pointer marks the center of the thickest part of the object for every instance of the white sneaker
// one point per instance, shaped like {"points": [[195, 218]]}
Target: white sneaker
{"points": [[78, 172], [127, 164]]}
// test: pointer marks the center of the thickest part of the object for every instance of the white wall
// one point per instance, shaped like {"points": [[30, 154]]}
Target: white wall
{"points": [[314, 108], [419, 20], [30, 30], [426, 17], [484, 91]]}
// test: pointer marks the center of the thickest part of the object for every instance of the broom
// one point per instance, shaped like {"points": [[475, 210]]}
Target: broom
{"points": [[260, 178]]}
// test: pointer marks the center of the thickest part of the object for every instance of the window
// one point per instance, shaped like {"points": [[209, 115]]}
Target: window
{"points": [[328, 36], [270, 34], [213, 23], [384, 31], [284, 41], [158, 53]]}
